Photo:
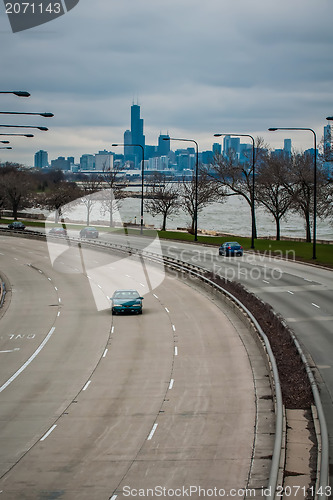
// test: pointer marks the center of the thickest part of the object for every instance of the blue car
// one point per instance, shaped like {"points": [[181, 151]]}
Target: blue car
{"points": [[231, 248], [126, 301]]}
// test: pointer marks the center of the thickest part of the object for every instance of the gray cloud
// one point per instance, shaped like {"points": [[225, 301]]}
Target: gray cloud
{"points": [[196, 68]]}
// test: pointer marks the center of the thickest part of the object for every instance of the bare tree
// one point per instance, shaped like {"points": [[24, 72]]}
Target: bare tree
{"points": [[237, 177], [208, 191], [58, 196], [16, 186], [163, 197], [300, 184], [271, 190], [89, 187], [114, 192]]}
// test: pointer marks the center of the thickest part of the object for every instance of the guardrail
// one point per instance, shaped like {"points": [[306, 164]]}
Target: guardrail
{"points": [[199, 272]]}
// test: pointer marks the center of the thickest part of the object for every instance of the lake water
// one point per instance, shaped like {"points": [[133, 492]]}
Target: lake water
{"points": [[233, 216]]}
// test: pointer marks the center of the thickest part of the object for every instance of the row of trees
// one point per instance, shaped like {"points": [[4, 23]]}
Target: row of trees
{"points": [[283, 184], [22, 188]]}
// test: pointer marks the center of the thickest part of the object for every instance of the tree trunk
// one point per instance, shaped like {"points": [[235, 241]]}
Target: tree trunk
{"points": [[277, 224], [164, 221], [308, 227], [253, 218]]}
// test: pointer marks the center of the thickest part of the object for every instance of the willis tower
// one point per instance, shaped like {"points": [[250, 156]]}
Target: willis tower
{"points": [[137, 132]]}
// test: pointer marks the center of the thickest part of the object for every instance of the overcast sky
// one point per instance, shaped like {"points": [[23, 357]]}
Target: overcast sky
{"points": [[195, 67]]}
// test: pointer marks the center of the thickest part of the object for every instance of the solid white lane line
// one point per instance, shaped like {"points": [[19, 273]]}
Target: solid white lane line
{"points": [[315, 305], [113, 497], [152, 432], [27, 363], [48, 432], [176, 351], [87, 385], [171, 383], [105, 353]]}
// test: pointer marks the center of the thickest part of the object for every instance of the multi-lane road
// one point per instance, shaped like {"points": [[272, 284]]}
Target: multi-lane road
{"points": [[94, 406], [301, 293]]}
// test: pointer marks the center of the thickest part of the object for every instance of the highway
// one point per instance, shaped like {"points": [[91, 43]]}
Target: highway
{"points": [[301, 293], [92, 404]]}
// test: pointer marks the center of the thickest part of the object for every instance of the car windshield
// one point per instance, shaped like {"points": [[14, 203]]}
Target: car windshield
{"points": [[126, 294], [232, 243]]}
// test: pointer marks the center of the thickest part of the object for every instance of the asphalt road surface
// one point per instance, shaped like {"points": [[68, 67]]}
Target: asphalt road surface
{"points": [[302, 294], [94, 406]]}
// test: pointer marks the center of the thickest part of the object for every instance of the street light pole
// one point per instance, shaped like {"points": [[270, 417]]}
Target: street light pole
{"points": [[142, 179], [19, 93], [196, 180], [273, 129], [24, 126], [22, 135], [45, 115], [253, 231]]}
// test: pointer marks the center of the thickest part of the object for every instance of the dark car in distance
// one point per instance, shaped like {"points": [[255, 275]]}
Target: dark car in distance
{"points": [[231, 248], [17, 225], [89, 232], [58, 231], [126, 301]]}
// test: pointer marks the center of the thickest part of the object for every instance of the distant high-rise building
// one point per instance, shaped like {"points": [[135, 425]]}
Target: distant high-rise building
{"points": [[231, 145], [103, 161], [217, 148], [287, 146], [87, 162], [61, 163], [137, 132], [163, 146], [41, 159], [128, 150]]}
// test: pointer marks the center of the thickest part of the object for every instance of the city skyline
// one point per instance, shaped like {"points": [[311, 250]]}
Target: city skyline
{"points": [[196, 69], [161, 156]]}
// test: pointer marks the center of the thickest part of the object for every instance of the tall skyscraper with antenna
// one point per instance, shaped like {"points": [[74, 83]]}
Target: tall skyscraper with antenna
{"points": [[137, 132]]}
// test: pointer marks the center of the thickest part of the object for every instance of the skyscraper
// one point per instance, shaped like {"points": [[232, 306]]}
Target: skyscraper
{"points": [[137, 132], [163, 146], [41, 159]]}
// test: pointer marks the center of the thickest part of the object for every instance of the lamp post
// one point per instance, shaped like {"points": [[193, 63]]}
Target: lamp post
{"points": [[22, 135], [273, 129], [19, 93], [45, 115], [196, 180], [44, 129], [253, 230], [142, 179]]}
